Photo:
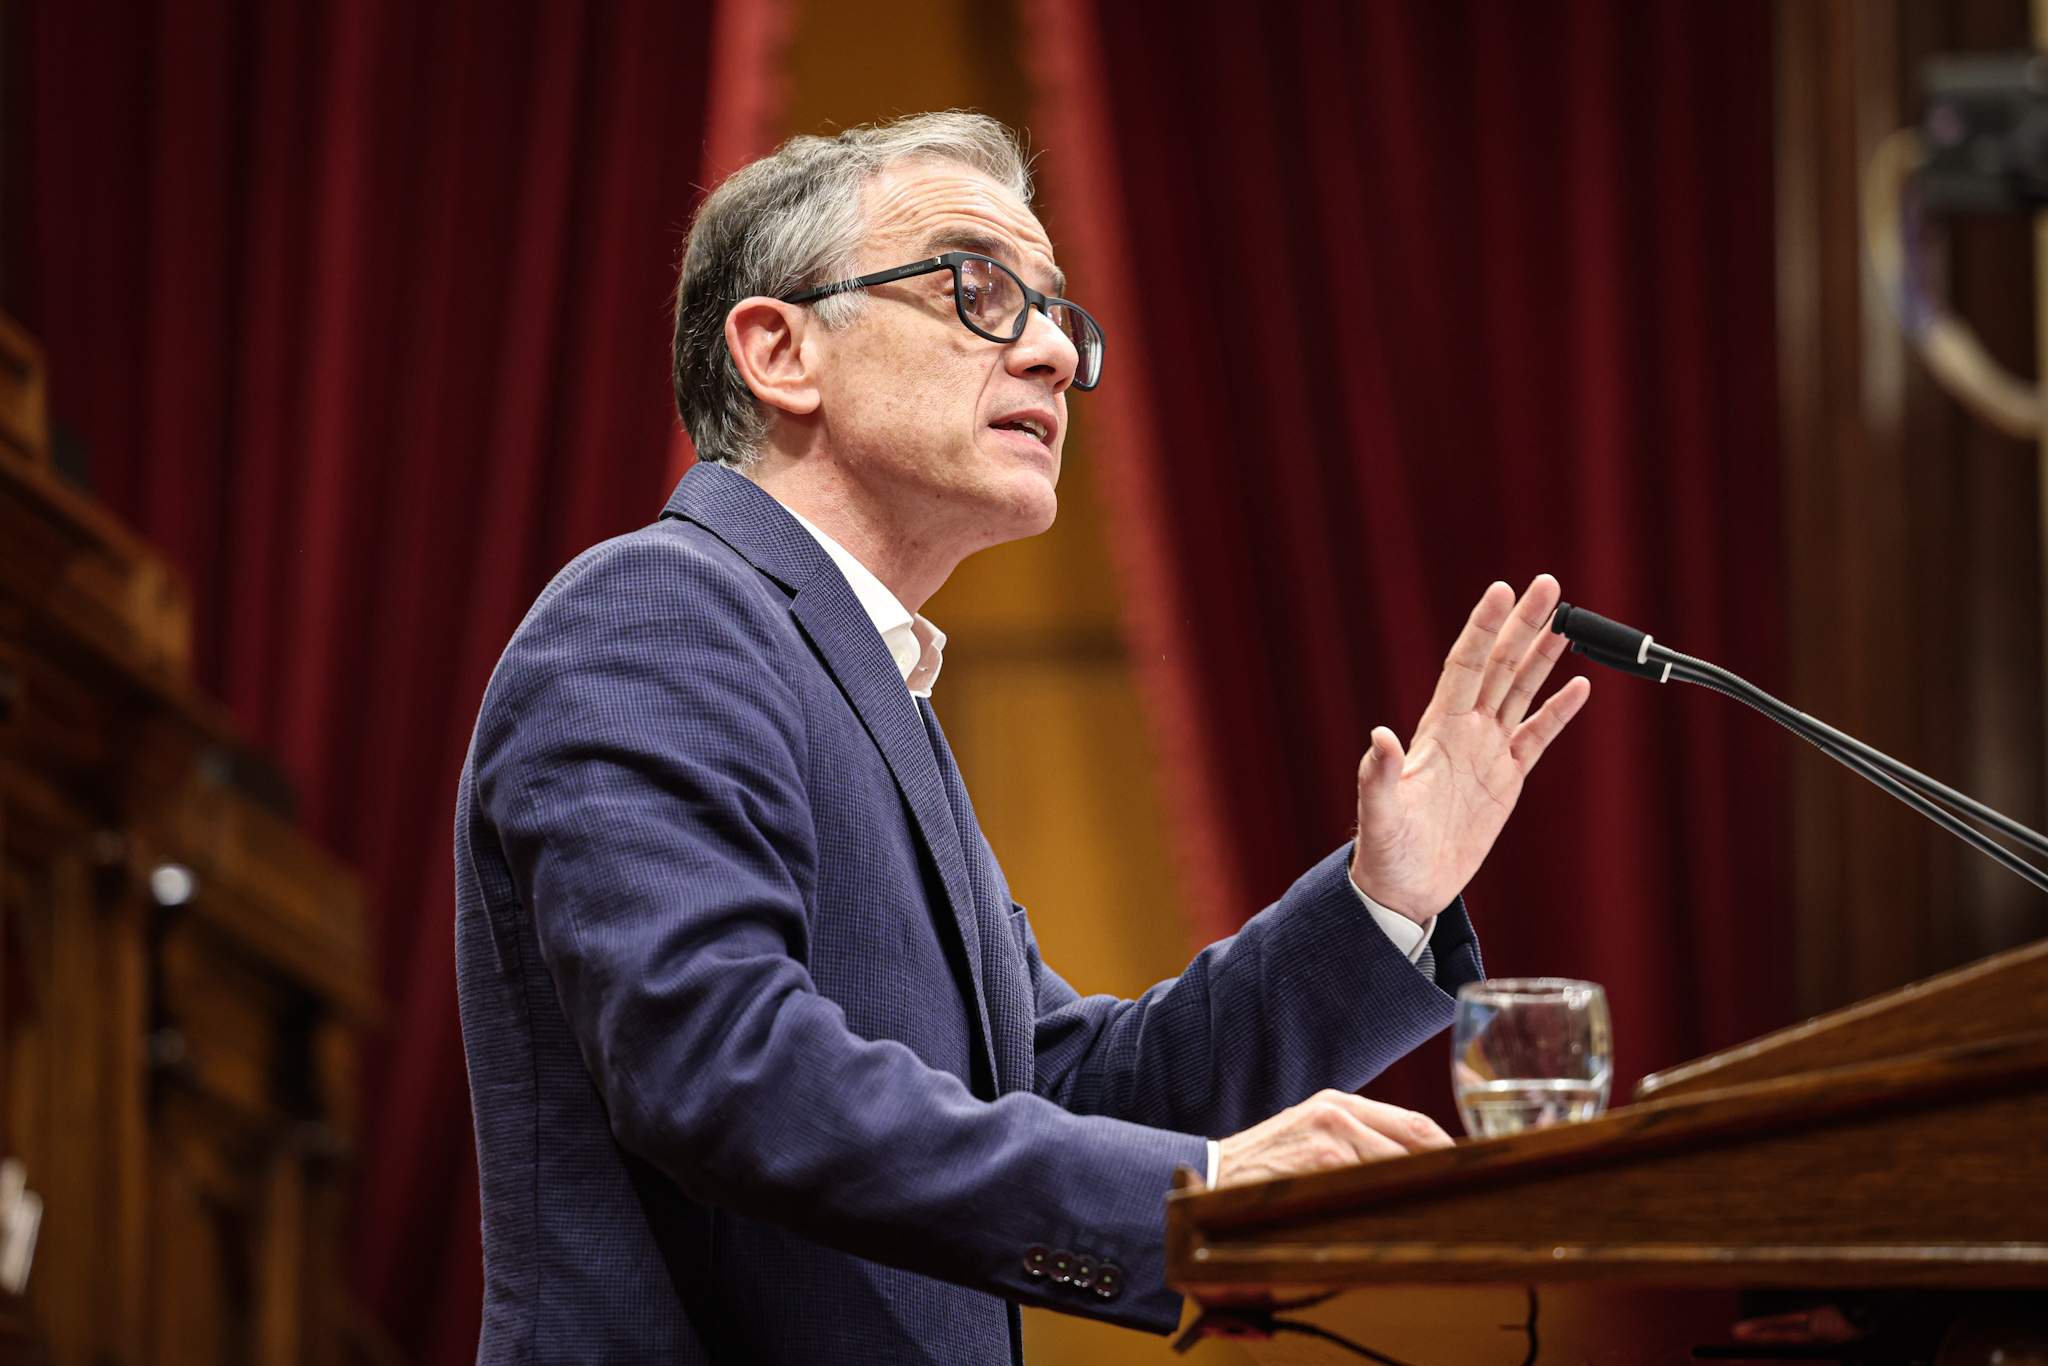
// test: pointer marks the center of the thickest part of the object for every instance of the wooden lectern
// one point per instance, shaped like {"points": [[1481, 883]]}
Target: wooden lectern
{"points": [[1898, 1143]]}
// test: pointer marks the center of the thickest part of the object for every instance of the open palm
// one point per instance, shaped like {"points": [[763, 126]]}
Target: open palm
{"points": [[1428, 816]]}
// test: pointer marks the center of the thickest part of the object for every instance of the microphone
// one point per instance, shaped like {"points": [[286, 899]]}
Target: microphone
{"points": [[1592, 634], [1636, 652]]}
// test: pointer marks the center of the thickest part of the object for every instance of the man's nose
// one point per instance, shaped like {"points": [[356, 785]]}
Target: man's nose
{"points": [[1043, 350]]}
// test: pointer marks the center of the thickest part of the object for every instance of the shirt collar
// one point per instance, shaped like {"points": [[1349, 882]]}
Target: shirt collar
{"points": [[917, 646]]}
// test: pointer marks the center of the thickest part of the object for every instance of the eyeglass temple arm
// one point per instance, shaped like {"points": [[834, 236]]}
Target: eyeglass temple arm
{"points": [[880, 277]]}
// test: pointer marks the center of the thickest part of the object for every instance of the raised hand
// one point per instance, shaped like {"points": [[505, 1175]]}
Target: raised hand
{"points": [[1427, 816]]}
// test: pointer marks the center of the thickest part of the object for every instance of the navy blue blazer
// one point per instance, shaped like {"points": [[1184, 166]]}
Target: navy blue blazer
{"points": [[764, 1060]]}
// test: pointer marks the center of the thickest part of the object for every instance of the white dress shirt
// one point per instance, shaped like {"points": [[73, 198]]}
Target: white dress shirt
{"points": [[919, 649], [917, 646]]}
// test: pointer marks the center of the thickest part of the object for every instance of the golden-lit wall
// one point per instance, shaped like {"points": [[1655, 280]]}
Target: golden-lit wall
{"points": [[1037, 695]]}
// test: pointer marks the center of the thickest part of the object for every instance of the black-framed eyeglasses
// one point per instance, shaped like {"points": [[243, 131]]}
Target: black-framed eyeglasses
{"points": [[993, 302]]}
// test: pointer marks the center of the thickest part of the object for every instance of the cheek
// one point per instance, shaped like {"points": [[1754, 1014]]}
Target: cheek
{"points": [[925, 387], [902, 405]]}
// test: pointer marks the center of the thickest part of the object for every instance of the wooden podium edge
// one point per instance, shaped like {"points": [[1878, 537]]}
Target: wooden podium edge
{"points": [[1741, 1113], [1906, 1019], [1226, 1275]]}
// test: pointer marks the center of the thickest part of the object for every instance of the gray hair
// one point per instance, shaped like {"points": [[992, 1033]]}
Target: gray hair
{"points": [[790, 221]]}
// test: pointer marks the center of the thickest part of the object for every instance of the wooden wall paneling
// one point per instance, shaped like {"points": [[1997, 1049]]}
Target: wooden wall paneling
{"points": [[1820, 355], [255, 1060], [20, 1089], [337, 1331], [199, 1210], [1908, 625], [1797, 39], [282, 1262], [73, 1111], [24, 401], [2037, 27], [1977, 545], [126, 975], [69, 1152], [176, 1072]]}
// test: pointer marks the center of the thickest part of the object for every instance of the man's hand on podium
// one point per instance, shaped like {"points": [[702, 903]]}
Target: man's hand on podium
{"points": [[1428, 816], [1329, 1129]]}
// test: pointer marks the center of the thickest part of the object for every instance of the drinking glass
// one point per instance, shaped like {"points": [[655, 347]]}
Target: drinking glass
{"points": [[1527, 1052]]}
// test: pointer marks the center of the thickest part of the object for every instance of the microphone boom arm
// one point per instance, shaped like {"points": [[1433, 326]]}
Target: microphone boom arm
{"points": [[1823, 739], [1631, 651], [1698, 671]]}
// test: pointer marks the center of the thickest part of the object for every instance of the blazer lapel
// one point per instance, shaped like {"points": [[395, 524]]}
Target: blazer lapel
{"points": [[733, 508]]}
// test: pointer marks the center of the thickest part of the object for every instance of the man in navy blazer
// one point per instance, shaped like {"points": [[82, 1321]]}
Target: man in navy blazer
{"points": [[766, 1065]]}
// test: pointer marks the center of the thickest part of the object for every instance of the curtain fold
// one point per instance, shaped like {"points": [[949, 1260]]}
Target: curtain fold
{"points": [[1401, 299], [360, 312]]}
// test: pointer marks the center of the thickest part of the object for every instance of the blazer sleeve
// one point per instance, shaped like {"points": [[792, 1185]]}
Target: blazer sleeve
{"points": [[642, 759], [1309, 994]]}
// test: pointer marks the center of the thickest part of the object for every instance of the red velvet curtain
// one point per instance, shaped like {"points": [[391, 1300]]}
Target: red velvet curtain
{"points": [[1402, 298], [358, 310]]}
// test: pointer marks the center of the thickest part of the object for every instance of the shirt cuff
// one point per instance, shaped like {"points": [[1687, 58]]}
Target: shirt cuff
{"points": [[1409, 937], [1215, 1161]]}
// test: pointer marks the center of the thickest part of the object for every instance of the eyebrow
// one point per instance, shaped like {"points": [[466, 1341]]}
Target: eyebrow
{"points": [[951, 239]]}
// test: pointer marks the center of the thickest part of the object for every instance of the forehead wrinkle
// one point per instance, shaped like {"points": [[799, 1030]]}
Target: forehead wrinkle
{"points": [[971, 212], [967, 239]]}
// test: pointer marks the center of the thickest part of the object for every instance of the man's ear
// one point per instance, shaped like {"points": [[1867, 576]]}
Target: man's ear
{"points": [[766, 338]]}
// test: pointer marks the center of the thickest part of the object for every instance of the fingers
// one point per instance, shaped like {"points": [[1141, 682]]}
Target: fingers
{"points": [[1518, 645], [1357, 1141], [1372, 1129], [1329, 1129], [1410, 1130], [1465, 666], [1534, 735], [1547, 649]]}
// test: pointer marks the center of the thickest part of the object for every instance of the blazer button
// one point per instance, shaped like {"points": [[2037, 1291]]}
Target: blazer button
{"points": [[1084, 1272], [1062, 1268], [1036, 1259], [1109, 1280]]}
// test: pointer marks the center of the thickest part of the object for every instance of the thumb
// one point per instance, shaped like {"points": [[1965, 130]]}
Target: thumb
{"points": [[1381, 767]]}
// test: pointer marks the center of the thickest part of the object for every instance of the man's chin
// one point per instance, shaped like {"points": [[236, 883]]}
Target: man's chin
{"points": [[1039, 507], [1028, 508]]}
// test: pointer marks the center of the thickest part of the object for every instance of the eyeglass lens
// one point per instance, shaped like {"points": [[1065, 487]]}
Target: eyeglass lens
{"points": [[993, 300]]}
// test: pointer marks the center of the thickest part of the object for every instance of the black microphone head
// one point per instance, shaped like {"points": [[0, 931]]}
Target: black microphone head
{"points": [[1597, 633]]}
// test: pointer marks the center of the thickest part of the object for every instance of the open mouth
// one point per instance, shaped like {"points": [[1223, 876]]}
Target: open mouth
{"points": [[1031, 427]]}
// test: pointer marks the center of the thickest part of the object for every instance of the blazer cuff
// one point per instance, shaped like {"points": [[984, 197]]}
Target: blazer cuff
{"points": [[1117, 1274]]}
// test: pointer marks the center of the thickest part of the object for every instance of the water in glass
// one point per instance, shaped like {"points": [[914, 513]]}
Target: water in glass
{"points": [[1529, 1052]]}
